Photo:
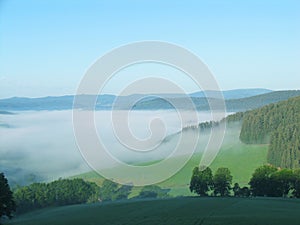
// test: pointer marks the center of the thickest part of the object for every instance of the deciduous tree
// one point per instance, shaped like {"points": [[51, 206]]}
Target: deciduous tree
{"points": [[222, 182], [201, 181]]}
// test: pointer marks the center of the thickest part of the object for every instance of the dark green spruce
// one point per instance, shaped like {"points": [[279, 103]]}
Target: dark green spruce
{"points": [[277, 125]]}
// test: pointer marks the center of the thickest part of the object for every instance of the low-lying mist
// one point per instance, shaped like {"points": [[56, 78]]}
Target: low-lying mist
{"points": [[40, 145]]}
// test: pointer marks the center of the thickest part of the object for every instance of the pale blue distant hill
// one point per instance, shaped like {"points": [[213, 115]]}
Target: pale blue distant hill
{"points": [[236, 100], [6, 113], [235, 94], [232, 105]]}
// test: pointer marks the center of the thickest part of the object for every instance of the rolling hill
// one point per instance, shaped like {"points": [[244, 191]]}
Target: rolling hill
{"points": [[6, 113], [225, 211], [232, 105], [105, 102], [233, 154], [235, 94], [261, 129]]}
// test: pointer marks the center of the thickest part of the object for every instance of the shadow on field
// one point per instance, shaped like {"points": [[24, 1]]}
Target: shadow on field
{"points": [[185, 210]]}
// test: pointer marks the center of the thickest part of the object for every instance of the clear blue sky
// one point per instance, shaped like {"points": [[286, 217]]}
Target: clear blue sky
{"points": [[46, 46]]}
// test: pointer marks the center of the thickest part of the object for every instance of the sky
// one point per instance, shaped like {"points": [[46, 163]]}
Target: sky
{"points": [[47, 46]]}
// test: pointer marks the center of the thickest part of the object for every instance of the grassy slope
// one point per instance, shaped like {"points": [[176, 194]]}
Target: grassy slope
{"points": [[240, 158], [241, 211]]}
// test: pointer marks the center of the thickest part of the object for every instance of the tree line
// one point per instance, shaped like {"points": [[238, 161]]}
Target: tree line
{"points": [[57, 193], [266, 181], [67, 192], [77, 191]]}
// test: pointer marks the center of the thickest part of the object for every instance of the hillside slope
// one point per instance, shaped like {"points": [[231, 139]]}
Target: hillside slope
{"points": [[235, 94], [232, 105], [279, 125], [225, 211], [240, 158]]}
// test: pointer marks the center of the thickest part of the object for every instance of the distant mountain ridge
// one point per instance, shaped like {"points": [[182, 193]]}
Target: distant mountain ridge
{"points": [[6, 113], [234, 94], [232, 105], [150, 102]]}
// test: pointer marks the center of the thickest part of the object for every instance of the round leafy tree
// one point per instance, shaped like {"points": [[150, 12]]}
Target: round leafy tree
{"points": [[201, 181]]}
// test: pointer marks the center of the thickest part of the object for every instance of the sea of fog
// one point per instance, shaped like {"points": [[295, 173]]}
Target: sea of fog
{"points": [[40, 145]]}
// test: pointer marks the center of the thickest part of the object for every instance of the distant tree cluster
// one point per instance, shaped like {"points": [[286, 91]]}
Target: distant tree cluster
{"points": [[267, 181], [234, 119], [207, 125], [56, 193], [279, 125], [153, 191], [237, 117], [111, 191]]}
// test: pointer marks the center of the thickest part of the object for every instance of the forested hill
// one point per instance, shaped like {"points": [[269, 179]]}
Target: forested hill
{"points": [[232, 105], [279, 125], [254, 102]]}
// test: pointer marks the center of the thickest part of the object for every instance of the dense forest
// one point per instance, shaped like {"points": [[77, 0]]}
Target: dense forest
{"points": [[277, 125], [259, 125]]}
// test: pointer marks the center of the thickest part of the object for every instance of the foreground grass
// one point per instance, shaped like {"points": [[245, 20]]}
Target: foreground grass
{"points": [[186, 210]]}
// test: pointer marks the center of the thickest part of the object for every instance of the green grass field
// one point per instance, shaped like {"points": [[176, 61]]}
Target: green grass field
{"points": [[240, 158], [184, 210]]}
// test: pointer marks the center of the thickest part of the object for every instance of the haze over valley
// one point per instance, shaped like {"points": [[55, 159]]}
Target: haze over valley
{"points": [[36, 143], [149, 112]]}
